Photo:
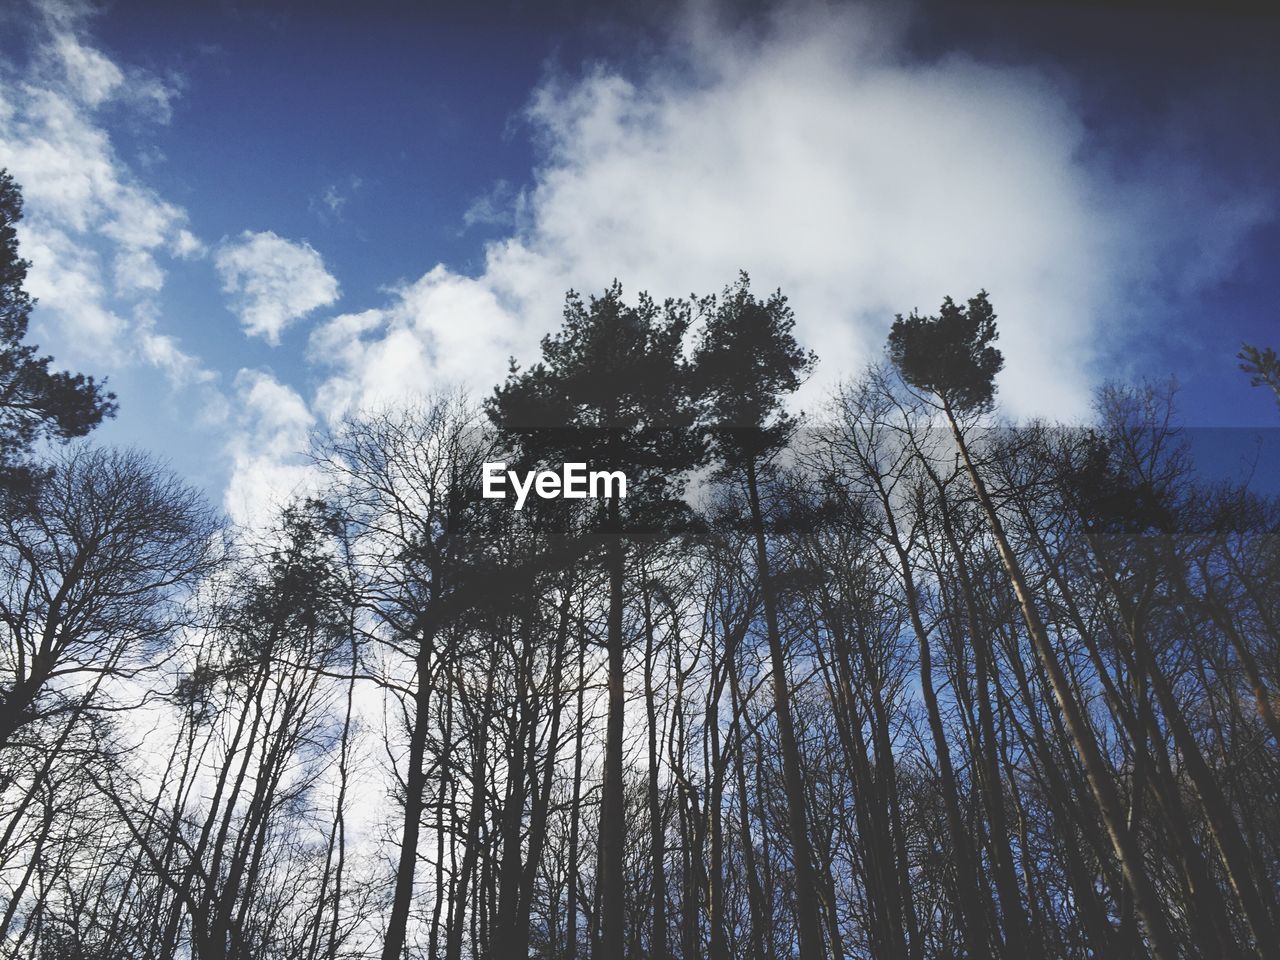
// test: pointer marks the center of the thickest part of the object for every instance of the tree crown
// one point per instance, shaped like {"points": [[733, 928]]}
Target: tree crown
{"points": [[950, 355], [613, 389], [746, 361]]}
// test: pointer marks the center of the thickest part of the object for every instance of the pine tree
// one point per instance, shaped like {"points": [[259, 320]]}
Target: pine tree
{"points": [[35, 402], [951, 356], [1264, 366], [746, 362], [612, 390]]}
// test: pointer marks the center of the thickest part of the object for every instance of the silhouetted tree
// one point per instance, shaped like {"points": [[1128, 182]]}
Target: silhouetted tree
{"points": [[747, 361], [35, 401], [896, 693], [951, 356], [89, 576], [612, 389], [1264, 366]]}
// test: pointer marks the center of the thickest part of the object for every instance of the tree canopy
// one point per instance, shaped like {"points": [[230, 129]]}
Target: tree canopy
{"points": [[747, 360], [951, 354], [613, 389]]}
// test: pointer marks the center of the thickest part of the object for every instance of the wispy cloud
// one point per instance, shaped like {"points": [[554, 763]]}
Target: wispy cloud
{"points": [[329, 203], [272, 423], [496, 207]]}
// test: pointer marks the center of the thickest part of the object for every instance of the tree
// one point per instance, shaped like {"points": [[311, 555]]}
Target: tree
{"points": [[746, 362], [869, 414], [95, 578], [404, 485], [952, 357], [612, 388], [892, 689], [35, 402], [89, 578], [1264, 365]]}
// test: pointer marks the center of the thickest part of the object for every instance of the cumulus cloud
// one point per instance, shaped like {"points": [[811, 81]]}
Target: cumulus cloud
{"points": [[811, 150], [441, 331], [93, 233], [817, 156], [273, 282]]}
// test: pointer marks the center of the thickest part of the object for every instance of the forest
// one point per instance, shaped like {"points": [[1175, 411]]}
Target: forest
{"points": [[888, 678]]}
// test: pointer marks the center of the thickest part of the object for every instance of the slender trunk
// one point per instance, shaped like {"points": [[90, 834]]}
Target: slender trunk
{"points": [[755, 896], [415, 789], [715, 827], [657, 824], [973, 927], [522, 732], [542, 798], [444, 790], [471, 846], [36, 859], [884, 920], [1017, 941], [1059, 793], [575, 814], [1222, 823], [807, 923], [1146, 901], [1257, 686], [613, 810]]}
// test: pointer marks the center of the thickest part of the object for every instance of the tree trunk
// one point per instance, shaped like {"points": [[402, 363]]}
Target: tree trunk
{"points": [[1146, 902], [613, 810], [808, 926], [415, 786], [657, 824]]}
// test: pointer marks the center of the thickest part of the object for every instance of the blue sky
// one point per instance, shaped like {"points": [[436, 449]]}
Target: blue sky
{"points": [[256, 219]]}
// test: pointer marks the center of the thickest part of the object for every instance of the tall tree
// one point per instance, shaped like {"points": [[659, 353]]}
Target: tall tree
{"points": [[747, 362], [35, 402], [951, 356], [612, 389], [405, 484], [90, 577]]}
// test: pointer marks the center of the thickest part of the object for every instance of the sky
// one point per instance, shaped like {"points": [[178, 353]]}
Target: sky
{"points": [[256, 219]]}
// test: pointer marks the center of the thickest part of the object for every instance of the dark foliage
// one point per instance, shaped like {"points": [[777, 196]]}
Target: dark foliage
{"points": [[746, 363], [612, 390], [951, 354], [35, 401], [1263, 365]]}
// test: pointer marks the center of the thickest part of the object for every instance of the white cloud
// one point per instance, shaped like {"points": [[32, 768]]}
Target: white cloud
{"points": [[273, 282], [811, 151], [493, 208], [69, 284], [92, 75], [442, 331], [814, 155], [137, 271], [180, 368], [187, 246], [267, 448], [92, 231]]}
